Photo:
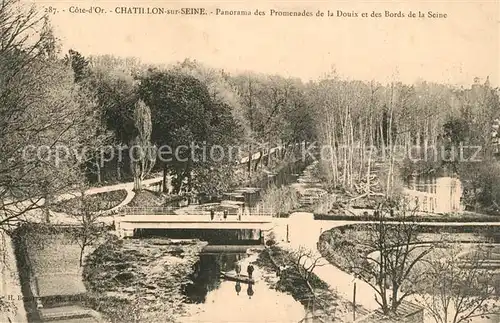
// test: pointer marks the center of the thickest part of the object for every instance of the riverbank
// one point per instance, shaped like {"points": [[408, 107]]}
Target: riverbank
{"points": [[313, 293], [140, 280]]}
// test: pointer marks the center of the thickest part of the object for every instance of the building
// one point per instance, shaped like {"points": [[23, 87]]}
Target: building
{"points": [[434, 194]]}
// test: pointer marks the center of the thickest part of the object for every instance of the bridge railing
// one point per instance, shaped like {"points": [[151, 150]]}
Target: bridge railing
{"points": [[165, 210], [260, 213], [149, 210]]}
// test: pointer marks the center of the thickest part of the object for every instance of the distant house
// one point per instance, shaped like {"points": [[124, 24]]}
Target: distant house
{"points": [[434, 194]]}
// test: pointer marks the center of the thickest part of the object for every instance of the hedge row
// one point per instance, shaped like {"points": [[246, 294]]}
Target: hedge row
{"points": [[489, 231], [436, 219]]}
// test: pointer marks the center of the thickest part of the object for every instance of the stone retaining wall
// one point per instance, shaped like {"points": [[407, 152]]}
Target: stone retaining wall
{"points": [[10, 286]]}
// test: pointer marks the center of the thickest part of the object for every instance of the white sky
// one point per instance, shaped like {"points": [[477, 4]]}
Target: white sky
{"points": [[452, 50]]}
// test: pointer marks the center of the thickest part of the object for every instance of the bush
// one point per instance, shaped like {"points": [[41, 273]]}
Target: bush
{"points": [[139, 278], [147, 198], [271, 239], [281, 199]]}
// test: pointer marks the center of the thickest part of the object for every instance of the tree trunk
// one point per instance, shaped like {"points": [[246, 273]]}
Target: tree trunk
{"points": [[395, 304], [82, 251], [368, 170], [98, 173], [46, 205], [190, 181], [46, 212], [118, 171], [137, 184], [361, 149], [258, 160], [249, 168], [344, 150], [390, 175], [137, 177], [351, 151], [164, 181]]}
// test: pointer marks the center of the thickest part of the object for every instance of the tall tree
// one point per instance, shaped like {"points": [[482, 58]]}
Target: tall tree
{"points": [[112, 82], [143, 154], [78, 63], [181, 110]]}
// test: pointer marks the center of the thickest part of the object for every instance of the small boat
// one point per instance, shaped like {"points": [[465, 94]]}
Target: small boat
{"points": [[237, 278]]}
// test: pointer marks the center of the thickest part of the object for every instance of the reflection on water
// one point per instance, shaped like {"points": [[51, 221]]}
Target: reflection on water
{"points": [[220, 300], [238, 288], [206, 274], [250, 290]]}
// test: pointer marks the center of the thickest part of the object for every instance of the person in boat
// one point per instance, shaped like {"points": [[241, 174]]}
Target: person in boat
{"points": [[225, 214], [250, 290], [238, 288], [250, 270], [237, 268], [212, 214]]}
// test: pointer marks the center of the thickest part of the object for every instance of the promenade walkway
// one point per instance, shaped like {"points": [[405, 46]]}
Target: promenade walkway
{"points": [[304, 231]]}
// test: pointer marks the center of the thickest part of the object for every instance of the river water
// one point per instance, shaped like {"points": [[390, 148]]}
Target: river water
{"points": [[216, 300], [213, 299]]}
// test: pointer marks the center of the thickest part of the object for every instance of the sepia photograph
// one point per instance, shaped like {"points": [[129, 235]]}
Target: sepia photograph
{"points": [[249, 161]]}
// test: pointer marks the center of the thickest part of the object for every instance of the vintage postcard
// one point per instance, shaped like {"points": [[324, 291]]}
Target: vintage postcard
{"points": [[247, 161]]}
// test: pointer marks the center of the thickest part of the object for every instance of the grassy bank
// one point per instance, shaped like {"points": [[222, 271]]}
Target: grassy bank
{"points": [[486, 233], [97, 202], [323, 302], [48, 259], [332, 242], [139, 280]]}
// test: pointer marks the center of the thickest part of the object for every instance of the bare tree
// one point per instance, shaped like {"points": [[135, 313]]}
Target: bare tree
{"points": [[91, 227], [459, 285], [42, 112], [305, 261], [384, 255], [321, 304]]}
